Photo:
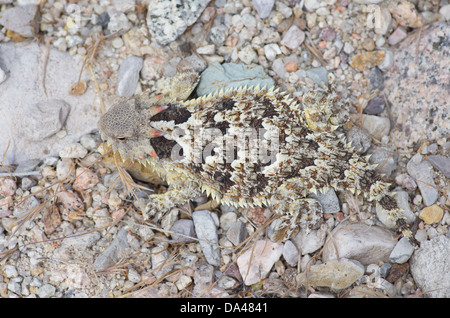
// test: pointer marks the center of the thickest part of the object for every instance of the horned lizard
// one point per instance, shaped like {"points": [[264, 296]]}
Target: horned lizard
{"points": [[245, 147]]}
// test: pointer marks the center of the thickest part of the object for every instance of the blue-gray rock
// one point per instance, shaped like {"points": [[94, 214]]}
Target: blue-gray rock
{"points": [[422, 172], [231, 75], [263, 7], [111, 254], [128, 76], [319, 75], [376, 79], [328, 200], [206, 231], [237, 233], [184, 227], [440, 163], [401, 252], [168, 19]]}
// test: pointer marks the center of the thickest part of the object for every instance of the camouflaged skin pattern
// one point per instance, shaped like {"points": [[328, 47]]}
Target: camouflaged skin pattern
{"points": [[295, 150]]}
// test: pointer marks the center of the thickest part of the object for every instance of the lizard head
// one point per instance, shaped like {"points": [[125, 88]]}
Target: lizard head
{"points": [[125, 126]]}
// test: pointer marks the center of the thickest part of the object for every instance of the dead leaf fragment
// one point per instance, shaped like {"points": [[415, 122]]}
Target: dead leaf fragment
{"points": [[78, 88]]}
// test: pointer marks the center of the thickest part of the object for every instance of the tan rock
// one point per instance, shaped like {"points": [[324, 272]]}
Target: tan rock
{"points": [[431, 214]]}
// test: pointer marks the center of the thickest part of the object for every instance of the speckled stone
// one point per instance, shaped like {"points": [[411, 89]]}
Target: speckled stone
{"points": [[418, 90], [168, 19]]}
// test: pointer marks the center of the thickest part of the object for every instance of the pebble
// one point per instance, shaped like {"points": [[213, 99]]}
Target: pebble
{"points": [[431, 214], [218, 35], [237, 233], [387, 62], [312, 240], [397, 36], [406, 15], [319, 75], [73, 151], [428, 266], [117, 42], [183, 282], [247, 54], [185, 228], [102, 218], [206, 231], [7, 187], [328, 201], [355, 240], [271, 51], [84, 179], [376, 126], [290, 253], [375, 106], [312, 5], [263, 7], [422, 171], [227, 219], [128, 76], [440, 163], [279, 68], [257, 261], [406, 181], [445, 12], [376, 78], [368, 44], [23, 20], [207, 49], [203, 277], [336, 274], [291, 67], [133, 276], [10, 271], [401, 252], [327, 34], [46, 291], [293, 37], [383, 18], [110, 256], [118, 21]]}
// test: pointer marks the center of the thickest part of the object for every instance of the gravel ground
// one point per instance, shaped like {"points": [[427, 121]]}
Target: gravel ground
{"points": [[70, 228]]}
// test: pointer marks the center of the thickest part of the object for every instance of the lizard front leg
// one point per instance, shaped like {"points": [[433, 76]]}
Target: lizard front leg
{"points": [[159, 204]]}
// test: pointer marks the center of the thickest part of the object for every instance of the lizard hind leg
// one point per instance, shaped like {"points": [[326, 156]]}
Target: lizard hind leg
{"points": [[295, 214], [390, 207]]}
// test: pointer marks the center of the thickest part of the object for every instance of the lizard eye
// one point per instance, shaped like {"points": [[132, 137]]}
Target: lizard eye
{"points": [[121, 138]]}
